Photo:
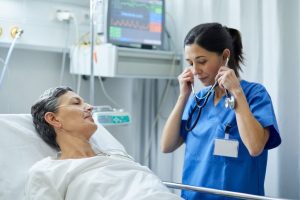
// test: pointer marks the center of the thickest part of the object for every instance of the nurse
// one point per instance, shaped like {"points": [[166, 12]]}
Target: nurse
{"points": [[228, 148]]}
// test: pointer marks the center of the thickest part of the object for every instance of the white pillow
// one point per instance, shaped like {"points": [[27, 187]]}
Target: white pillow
{"points": [[21, 147]]}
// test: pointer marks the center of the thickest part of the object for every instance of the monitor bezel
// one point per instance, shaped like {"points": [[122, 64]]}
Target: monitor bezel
{"points": [[133, 44]]}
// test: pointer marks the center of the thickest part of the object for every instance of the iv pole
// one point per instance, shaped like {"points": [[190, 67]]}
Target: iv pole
{"points": [[92, 37]]}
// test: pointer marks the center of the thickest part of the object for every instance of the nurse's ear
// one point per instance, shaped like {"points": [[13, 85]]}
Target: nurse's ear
{"points": [[51, 119], [226, 55]]}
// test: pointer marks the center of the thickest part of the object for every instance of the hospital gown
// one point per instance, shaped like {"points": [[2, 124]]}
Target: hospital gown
{"points": [[94, 178]]}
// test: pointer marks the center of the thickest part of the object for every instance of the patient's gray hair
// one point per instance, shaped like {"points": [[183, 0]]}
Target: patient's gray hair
{"points": [[48, 102]]}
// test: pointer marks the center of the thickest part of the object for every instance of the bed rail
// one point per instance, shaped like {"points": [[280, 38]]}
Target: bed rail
{"points": [[218, 192]]}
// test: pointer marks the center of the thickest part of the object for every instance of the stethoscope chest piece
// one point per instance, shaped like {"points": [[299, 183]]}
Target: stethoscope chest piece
{"points": [[230, 102]]}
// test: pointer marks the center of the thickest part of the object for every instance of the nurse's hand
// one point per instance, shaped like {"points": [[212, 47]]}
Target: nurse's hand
{"points": [[227, 80], [185, 79]]}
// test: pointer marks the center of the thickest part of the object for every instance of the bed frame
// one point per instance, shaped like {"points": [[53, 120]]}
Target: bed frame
{"points": [[224, 193]]}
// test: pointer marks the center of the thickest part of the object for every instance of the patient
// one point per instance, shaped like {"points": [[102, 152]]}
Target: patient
{"points": [[81, 170]]}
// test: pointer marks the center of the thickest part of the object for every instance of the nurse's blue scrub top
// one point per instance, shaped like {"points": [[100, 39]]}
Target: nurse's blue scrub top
{"points": [[244, 174]]}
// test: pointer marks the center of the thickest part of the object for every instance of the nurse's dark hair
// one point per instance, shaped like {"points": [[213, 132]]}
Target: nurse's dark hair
{"points": [[215, 38], [48, 102]]}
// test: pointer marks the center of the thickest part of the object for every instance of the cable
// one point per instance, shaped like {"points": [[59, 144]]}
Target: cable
{"points": [[76, 27], [168, 37], [63, 62], [175, 31], [2, 60], [66, 16], [19, 33], [77, 42], [78, 84], [106, 94]]}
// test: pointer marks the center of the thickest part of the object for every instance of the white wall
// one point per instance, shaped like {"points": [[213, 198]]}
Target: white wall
{"points": [[38, 20]]}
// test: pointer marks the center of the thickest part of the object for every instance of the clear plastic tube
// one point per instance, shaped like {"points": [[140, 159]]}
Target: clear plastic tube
{"points": [[19, 33], [107, 95]]}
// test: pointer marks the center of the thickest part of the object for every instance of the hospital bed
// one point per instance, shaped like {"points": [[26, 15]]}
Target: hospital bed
{"points": [[21, 147]]}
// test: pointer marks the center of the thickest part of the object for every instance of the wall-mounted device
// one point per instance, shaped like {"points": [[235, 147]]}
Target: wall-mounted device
{"points": [[135, 23], [114, 61]]}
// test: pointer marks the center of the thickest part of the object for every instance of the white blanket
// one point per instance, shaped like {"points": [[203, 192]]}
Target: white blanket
{"points": [[95, 178]]}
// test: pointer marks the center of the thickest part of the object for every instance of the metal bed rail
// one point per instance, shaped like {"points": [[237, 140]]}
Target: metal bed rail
{"points": [[218, 192]]}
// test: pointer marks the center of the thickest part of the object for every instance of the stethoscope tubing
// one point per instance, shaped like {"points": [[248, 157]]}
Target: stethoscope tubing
{"points": [[198, 106], [229, 102]]}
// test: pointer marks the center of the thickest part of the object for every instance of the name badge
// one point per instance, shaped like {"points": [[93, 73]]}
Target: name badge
{"points": [[226, 147]]}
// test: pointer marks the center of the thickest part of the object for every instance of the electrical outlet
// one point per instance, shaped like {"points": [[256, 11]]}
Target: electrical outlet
{"points": [[63, 15]]}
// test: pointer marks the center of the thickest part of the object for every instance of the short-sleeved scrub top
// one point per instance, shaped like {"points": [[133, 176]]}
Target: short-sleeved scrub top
{"points": [[202, 168]]}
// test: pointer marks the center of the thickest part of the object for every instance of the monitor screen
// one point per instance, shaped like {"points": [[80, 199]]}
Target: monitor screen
{"points": [[136, 23]]}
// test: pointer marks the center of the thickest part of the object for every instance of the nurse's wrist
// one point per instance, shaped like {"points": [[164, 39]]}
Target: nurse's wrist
{"points": [[237, 92], [183, 97]]}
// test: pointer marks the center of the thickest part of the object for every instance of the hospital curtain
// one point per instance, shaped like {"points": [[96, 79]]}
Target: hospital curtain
{"points": [[153, 99], [145, 93]]}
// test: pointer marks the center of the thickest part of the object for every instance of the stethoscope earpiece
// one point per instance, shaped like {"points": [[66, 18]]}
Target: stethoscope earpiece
{"points": [[230, 102]]}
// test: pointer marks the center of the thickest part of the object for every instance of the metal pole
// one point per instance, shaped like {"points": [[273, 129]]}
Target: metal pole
{"points": [[218, 192], [92, 90]]}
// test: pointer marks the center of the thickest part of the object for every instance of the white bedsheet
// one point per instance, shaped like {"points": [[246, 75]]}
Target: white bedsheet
{"points": [[95, 178]]}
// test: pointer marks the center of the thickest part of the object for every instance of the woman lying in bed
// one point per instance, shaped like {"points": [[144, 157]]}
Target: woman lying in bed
{"points": [[81, 171]]}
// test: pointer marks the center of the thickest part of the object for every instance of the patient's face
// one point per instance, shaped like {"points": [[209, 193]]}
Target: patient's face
{"points": [[75, 115]]}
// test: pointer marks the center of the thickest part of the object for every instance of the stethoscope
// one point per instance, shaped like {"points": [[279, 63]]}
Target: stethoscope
{"points": [[201, 102]]}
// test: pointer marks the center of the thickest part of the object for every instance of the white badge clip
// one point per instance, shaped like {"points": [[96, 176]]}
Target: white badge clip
{"points": [[226, 147]]}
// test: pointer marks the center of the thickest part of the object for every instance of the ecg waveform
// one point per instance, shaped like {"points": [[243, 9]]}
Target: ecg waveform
{"points": [[135, 4], [129, 24]]}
